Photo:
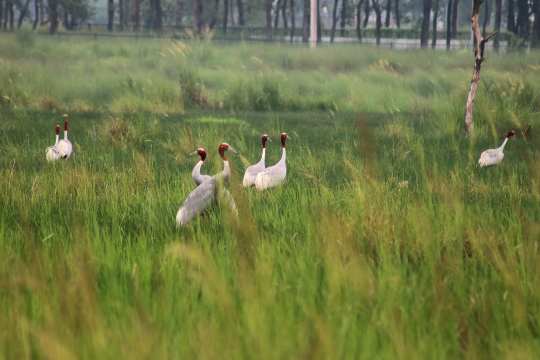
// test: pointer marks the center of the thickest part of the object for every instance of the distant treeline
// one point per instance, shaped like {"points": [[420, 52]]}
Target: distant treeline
{"points": [[421, 19]]}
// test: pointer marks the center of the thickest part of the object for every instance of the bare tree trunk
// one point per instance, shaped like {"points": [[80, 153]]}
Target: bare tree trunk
{"points": [[434, 25], [378, 20], [36, 15], [284, 14], [388, 13], [334, 20], [110, 15], [449, 25], [487, 16], [343, 20], [424, 35], [305, 22], [455, 10], [197, 16], [158, 16], [121, 14], [53, 16], [1, 14], [215, 14], [479, 45], [22, 14], [225, 15], [276, 14], [293, 19], [268, 9], [511, 17], [319, 24], [10, 15], [368, 12], [523, 19], [397, 14], [359, 19], [498, 18], [136, 15], [240, 7]]}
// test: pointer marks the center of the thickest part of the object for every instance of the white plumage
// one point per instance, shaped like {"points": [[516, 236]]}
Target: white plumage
{"points": [[494, 156], [253, 170], [274, 175], [207, 192], [51, 153], [64, 146], [196, 175]]}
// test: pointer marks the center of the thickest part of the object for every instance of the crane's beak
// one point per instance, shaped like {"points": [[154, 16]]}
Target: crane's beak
{"points": [[233, 150], [193, 153]]}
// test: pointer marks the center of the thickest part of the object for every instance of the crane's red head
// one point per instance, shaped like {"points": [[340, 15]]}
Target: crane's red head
{"points": [[264, 139], [510, 134], [283, 138], [66, 122], [202, 153], [57, 129], [224, 147]]}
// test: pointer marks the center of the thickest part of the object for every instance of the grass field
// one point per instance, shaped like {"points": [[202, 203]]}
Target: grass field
{"points": [[386, 240]]}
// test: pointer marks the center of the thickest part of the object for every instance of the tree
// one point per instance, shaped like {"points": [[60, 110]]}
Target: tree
{"points": [[388, 13], [343, 20], [136, 17], [511, 17], [240, 6], [487, 16], [434, 27], [319, 24], [449, 24], [36, 15], [367, 11], [198, 23], [305, 22], [225, 15], [424, 35], [268, 9], [397, 14], [179, 14], [359, 19], [334, 20], [479, 45], [121, 9], [378, 20], [536, 24], [523, 19], [293, 20], [498, 16], [455, 10], [158, 16], [110, 15], [22, 14], [276, 14], [284, 14], [53, 16]]}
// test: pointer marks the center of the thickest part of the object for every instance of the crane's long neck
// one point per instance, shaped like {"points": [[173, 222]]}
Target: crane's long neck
{"points": [[197, 169], [226, 173], [65, 134], [501, 148], [57, 139], [283, 155], [263, 155]]}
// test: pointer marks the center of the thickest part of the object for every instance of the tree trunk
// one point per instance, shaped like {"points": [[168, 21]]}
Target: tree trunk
{"points": [[66, 17], [455, 10], [179, 13], [368, 12], [136, 18], [121, 14], [240, 6], [36, 15], [334, 20], [498, 18], [434, 25], [22, 14], [511, 17], [110, 15], [536, 24], [197, 16], [449, 25], [424, 35], [305, 22], [268, 10], [53, 16], [523, 19], [487, 16], [1, 14], [319, 24], [276, 14], [378, 20], [479, 45], [388, 13], [343, 20], [284, 14], [10, 14], [215, 14], [293, 19], [158, 16], [225, 15], [359, 19], [397, 14]]}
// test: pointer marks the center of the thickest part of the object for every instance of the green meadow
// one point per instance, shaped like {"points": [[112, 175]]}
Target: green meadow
{"points": [[386, 241]]}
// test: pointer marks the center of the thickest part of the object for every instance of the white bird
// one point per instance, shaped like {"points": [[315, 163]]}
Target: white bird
{"points": [[64, 146], [274, 175], [253, 170], [205, 194], [51, 153], [196, 172], [494, 156]]}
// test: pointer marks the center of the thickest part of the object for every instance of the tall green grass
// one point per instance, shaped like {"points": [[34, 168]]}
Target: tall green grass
{"points": [[385, 241]]}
